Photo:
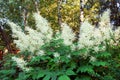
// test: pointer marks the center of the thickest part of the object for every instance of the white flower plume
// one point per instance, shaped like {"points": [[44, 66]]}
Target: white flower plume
{"points": [[30, 41], [86, 34], [105, 19], [67, 34], [91, 37], [21, 63], [33, 39], [43, 26]]}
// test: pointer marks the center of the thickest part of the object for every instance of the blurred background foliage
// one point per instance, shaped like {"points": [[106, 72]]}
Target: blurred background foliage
{"points": [[70, 10], [14, 10]]}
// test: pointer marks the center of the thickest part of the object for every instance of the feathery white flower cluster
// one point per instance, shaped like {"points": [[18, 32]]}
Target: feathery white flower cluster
{"points": [[106, 32], [33, 39], [91, 37], [116, 37], [105, 26], [56, 54], [105, 19], [21, 63], [117, 34], [40, 53], [85, 36], [92, 59], [17, 33], [67, 34], [43, 26]]}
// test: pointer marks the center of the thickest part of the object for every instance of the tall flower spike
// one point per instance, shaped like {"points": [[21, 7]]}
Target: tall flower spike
{"points": [[22, 40], [86, 33], [15, 29], [67, 34], [21, 63], [105, 26], [43, 26], [35, 39], [105, 19], [30, 41]]}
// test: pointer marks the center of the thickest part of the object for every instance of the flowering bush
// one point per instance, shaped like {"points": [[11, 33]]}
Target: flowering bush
{"points": [[59, 57]]}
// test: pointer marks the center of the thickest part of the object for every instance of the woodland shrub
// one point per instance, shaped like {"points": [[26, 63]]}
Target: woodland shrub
{"points": [[61, 56]]}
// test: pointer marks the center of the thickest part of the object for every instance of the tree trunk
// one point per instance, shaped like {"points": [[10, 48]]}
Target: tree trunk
{"points": [[24, 17], [59, 12], [81, 11], [6, 39], [37, 7]]}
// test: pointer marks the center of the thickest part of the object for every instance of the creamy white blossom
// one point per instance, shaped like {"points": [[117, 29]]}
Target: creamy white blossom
{"points": [[86, 35], [73, 47], [116, 37], [43, 26], [117, 34], [33, 39], [98, 38], [56, 54], [30, 41], [40, 53], [105, 26], [16, 30], [69, 56], [17, 33], [92, 59], [106, 32], [91, 37], [96, 49], [21, 63], [105, 19], [67, 34]]}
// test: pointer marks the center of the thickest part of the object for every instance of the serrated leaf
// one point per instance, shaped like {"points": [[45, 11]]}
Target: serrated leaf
{"points": [[40, 74], [85, 78], [22, 76], [7, 71], [54, 78], [99, 63], [76, 53], [103, 54], [64, 77], [86, 68], [107, 77], [70, 72], [47, 77], [84, 50]]}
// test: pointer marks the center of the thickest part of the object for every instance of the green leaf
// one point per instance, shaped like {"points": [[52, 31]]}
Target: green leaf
{"points": [[99, 63], [103, 54], [107, 77], [75, 53], [54, 77], [40, 74], [22, 76], [70, 72], [84, 50], [86, 68], [47, 77], [85, 78], [7, 72], [64, 77]]}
